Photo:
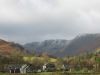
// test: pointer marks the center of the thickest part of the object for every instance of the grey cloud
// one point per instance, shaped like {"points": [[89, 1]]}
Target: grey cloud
{"points": [[35, 20]]}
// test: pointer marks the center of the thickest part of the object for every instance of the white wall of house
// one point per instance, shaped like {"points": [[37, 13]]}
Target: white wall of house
{"points": [[44, 67], [23, 69]]}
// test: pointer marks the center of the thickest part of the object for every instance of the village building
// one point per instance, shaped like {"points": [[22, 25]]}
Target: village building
{"points": [[29, 68], [49, 67], [14, 68], [26, 68], [65, 67]]}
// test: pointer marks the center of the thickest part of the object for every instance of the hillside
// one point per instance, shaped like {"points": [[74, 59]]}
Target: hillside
{"points": [[82, 44], [61, 48], [10, 48]]}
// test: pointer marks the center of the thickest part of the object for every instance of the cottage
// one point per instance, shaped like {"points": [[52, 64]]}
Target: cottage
{"points": [[23, 69], [49, 67], [44, 67], [29, 68], [11, 70], [14, 68], [65, 67], [37, 68]]}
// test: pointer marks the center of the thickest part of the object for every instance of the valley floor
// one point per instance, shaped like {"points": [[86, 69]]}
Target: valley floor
{"points": [[53, 73]]}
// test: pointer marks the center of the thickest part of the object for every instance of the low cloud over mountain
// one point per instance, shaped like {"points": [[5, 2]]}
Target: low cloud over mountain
{"points": [[81, 44]]}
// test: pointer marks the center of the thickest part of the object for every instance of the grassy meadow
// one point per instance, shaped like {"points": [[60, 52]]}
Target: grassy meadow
{"points": [[53, 73]]}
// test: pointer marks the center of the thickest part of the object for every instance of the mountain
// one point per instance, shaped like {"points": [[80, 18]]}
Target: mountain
{"points": [[81, 44], [47, 46], [10, 48]]}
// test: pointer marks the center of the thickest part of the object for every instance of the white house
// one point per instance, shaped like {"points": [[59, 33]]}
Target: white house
{"points": [[49, 67], [23, 69], [44, 67]]}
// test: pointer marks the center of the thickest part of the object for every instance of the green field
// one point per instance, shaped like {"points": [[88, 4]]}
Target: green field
{"points": [[53, 73]]}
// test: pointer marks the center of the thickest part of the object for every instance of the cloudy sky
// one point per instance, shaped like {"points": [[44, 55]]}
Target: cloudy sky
{"points": [[25, 21]]}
